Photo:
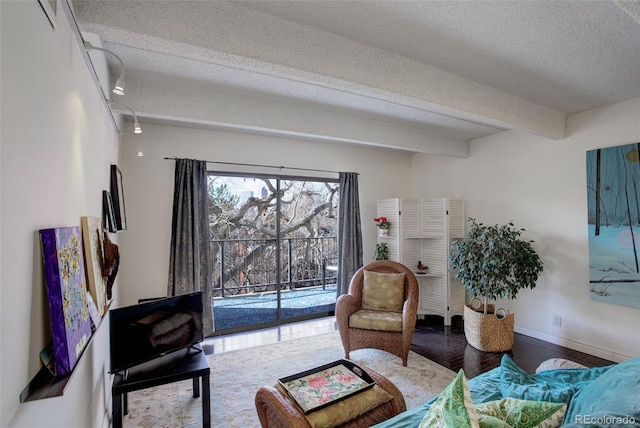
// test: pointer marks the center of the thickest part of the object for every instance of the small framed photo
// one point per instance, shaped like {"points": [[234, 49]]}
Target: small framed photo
{"points": [[117, 195], [108, 216]]}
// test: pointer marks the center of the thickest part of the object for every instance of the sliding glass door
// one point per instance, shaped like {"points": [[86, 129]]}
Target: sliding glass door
{"points": [[275, 248]]}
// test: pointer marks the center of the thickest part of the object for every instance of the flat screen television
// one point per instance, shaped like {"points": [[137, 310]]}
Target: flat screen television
{"points": [[143, 332]]}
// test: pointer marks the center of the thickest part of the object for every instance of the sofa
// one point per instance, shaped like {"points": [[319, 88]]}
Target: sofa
{"points": [[508, 396]]}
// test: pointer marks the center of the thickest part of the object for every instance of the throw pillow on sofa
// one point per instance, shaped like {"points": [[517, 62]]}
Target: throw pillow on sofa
{"points": [[558, 363], [453, 408], [512, 412]]}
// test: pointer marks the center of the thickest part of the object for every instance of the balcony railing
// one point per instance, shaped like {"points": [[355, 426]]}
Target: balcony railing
{"points": [[245, 266]]}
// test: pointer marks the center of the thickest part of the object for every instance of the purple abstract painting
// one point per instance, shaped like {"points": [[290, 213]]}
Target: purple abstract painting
{"points": [[66, 291]]}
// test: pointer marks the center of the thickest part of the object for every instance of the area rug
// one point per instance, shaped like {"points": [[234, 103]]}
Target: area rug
{"points": [[237, 375]]}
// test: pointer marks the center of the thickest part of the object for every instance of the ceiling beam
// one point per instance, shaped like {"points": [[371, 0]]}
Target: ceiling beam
{"points": [[238, 40], [199, 107]]}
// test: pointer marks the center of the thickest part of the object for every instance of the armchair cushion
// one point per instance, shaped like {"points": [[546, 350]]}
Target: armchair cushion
{"points": [[376, 320], [383, 291]]}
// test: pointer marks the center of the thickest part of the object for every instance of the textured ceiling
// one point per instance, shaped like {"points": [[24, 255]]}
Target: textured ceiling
{"points": [[422, 76]]}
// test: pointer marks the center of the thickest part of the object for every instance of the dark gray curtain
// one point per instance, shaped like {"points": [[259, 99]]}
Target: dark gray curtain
{"points": [[349, 231], [190, 267]]}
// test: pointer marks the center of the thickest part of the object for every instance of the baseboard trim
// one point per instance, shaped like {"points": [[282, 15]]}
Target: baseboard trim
{"points": [[572, 344]]}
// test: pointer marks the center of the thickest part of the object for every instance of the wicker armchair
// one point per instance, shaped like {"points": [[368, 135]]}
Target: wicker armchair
{"points": [[397, 343], [276, 410]]}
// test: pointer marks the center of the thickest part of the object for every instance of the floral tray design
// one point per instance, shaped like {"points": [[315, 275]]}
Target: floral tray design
{"points": [[321, 386]]}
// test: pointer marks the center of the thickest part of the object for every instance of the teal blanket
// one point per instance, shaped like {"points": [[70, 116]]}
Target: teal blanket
{"points": [[602, 396]]}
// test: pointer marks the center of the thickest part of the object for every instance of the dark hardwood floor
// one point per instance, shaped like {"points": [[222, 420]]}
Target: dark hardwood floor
{"points": [[445, 345]]}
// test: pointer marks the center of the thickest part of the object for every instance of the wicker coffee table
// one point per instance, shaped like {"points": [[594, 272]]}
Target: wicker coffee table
{"points": [[276, 409]]}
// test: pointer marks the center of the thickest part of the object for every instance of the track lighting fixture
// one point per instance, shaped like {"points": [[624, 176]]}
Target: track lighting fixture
{"points": [[136, 125], [118, 88]]}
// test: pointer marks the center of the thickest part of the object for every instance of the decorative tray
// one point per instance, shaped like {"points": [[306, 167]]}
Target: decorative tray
{"points": [[322, 386]]}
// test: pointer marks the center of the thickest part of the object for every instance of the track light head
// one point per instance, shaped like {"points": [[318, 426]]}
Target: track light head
{"points": [[118, 88], [137, 129]]}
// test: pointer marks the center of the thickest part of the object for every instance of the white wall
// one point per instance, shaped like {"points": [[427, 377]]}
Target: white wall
{"points": [[57, 145], [540, 184], [148, 185]]}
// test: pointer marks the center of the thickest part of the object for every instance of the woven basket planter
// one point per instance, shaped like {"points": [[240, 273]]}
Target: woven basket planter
{"points": [[491, 332]]}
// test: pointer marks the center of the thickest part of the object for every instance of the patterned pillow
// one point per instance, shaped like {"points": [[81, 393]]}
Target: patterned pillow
{"points": [[453, 408], [513, 412], [383, 291]]}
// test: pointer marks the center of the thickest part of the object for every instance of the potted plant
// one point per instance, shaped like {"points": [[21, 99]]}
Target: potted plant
{"points": [[493, 262], [383, 225], [382, 252]]}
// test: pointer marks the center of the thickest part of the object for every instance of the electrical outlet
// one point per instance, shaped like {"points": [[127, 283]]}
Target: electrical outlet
{"points": [[556, 321]]}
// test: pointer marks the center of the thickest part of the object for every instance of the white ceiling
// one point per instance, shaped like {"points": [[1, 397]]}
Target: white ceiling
{"points": [[423, 76]]}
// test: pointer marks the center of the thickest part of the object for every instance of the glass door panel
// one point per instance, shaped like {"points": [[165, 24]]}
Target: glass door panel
{"points": [[274, 257], [308, 213]]}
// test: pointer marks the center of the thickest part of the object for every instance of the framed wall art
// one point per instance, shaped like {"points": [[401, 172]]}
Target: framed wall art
{"points": [[613, 188], [64, 275], [108, 214], [117, 194], [92, 233]]}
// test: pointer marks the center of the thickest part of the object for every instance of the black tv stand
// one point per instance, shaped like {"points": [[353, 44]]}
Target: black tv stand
{"points": [[193, 365]]}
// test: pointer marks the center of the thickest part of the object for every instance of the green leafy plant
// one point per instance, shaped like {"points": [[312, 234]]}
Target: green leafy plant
{"points": [[382, 252], [494, 262]]}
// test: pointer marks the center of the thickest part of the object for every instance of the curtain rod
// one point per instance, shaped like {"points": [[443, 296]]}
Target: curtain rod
{"points": [[265, 166]]}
